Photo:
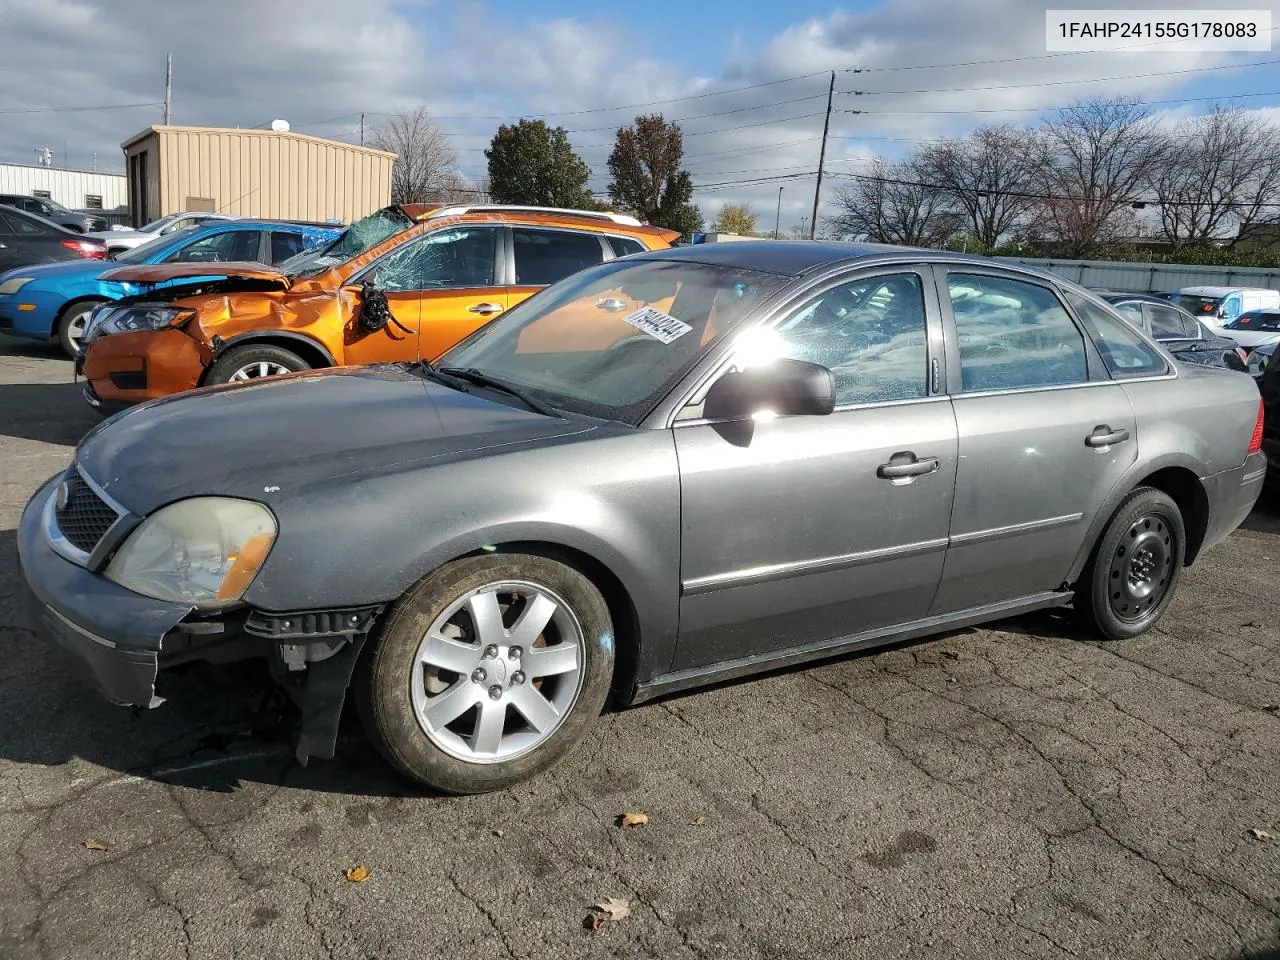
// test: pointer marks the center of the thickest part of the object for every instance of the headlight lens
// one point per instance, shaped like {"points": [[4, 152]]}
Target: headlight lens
{"points": [[204, 551], [107, 319], [14, 284]]}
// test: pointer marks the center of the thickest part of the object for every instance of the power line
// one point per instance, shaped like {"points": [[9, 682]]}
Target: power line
{"points": [[1150, 103], [1059, 83], [114, 106]]}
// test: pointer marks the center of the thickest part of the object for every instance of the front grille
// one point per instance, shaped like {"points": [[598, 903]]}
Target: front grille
{"points": [[86, 517]]}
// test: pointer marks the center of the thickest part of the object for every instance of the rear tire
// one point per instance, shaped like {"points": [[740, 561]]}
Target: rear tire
{"points": [[71, 326], [462, 694], [255, 361], [1131, 576]]}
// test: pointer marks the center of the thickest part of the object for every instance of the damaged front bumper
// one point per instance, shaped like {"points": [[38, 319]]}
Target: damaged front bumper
{"points": [[118, 640], [113, 635]]}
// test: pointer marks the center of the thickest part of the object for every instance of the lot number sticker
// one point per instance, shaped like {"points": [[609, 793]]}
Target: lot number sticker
{"points": [[659, 325]]}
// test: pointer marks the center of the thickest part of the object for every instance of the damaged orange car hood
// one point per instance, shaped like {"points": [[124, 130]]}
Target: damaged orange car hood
{"points": [[160, 272]]}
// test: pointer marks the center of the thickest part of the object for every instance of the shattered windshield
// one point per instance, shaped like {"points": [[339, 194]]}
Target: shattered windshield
{"points": [[355, 240]]}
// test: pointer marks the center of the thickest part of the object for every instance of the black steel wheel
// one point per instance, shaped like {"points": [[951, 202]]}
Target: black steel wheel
{"points": [[1130, 578]]}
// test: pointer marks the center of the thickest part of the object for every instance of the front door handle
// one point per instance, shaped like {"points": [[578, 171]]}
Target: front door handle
{"points": [[485, 309], [906, 465], [1104, 436]]}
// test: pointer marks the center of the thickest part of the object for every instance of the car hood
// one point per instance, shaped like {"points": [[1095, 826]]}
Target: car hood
{"points": [[289, 437], [160, 272], [121, 235], [65, 270]]}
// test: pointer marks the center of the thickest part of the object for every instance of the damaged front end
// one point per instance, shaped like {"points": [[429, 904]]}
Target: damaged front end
{"points": [[118, 638]]}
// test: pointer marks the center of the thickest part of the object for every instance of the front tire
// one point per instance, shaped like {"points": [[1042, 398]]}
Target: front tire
{"points": [[488, 672], [255, 361], [1130, 579], [71, 327]]}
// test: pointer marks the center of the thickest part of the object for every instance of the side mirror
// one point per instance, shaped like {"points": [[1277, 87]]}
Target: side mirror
{"points": [[788, 388], [374, 312]]}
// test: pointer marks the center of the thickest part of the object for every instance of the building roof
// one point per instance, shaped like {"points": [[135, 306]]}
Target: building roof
{"points": [[58, 169], [244, 131]]}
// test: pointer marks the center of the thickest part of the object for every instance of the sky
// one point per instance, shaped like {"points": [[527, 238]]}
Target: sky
{"points": [[746, 80]]}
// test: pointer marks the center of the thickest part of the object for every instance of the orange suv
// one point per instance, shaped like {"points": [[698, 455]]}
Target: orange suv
{"points": [[405, 283]]}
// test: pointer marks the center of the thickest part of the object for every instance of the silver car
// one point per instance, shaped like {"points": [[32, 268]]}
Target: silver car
{"points": [[663, 471]]}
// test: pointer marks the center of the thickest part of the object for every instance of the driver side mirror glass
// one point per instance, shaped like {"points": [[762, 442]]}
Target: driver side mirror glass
{"points": [[784, 388]]}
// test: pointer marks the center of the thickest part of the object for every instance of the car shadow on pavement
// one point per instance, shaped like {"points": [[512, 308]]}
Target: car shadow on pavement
{"points": [[1266, 515], [48, 412]]}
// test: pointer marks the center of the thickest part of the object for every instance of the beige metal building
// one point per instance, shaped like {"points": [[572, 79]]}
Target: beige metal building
{"points": [[253, 173]]}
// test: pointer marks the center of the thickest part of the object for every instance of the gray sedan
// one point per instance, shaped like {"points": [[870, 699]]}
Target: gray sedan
{"points": [[666, 470]]}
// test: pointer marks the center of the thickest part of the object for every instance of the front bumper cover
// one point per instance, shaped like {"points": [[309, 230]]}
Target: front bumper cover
{"points": [[113, 635]]}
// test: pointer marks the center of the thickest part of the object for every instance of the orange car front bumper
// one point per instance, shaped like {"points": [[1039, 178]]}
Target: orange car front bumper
{"points": [[128, 368]]}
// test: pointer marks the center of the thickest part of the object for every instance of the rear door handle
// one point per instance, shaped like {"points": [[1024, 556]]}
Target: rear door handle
{"points": [[1104, 436], [905, 466], [485, 309]]}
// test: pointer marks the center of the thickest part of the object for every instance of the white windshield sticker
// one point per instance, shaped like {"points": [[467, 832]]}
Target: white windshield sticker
{"points": [[661, 326]]}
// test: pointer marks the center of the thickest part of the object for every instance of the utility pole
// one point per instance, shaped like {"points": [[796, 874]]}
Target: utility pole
{"points": [[777, 217], [822, 156], [362, 129], [168, 88]]}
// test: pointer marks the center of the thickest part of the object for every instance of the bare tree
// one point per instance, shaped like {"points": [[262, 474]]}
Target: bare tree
{"points": [[425, 169], [894, 204], [988, 176], [1094, 158], [1223, 169]]}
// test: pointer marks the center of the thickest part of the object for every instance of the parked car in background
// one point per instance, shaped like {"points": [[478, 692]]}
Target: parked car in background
{"points": [[667, 470], [1218, 305], [1254, 328], [119, 239], [1178, 331], [26, 240], [56, 300], [56, 212], [394, 286], [1266, 370]]}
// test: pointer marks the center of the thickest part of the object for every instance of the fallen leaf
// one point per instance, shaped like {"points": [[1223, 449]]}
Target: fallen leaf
{"points": [[497, 833], [1259, 834], [94, 845], [357, 874], [614, 908], [700, 822], [1251, 623], [633, 819]]}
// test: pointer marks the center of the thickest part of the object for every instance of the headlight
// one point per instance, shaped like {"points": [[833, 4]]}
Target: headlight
{"points": [[14, 284], [1257, 362], [204, 551], [108, 319]]}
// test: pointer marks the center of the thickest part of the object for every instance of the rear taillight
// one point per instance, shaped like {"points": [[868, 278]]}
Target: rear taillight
{"points": [[95, 251], [1255, 442]]}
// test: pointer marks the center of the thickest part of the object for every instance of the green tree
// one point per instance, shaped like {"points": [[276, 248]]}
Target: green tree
{"points": [[531, 163], [736, 218], [645, 164]]}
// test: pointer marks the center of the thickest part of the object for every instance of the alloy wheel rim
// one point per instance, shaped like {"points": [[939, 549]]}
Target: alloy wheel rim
{"points": [[498, 671], [260, 369], [76, 326], [1140, 570]]}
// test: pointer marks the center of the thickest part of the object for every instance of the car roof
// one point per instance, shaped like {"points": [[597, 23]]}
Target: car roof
{"points": [[798, 257], [1259, 310], [1220, 291]]}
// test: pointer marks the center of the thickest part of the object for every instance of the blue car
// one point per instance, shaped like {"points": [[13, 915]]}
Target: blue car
{"points": [[55, 299]]}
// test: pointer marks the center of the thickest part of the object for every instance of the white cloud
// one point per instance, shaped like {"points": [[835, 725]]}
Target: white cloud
{"points": [[244, 62]]}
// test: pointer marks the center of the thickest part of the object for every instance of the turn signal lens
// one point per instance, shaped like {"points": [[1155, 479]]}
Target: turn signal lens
{"points": [[244, 566], [1255, 442]]}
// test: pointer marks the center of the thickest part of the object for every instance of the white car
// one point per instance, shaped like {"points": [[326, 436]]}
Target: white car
{"points": [[1255, 328], [1217, 306], [120, 239]]}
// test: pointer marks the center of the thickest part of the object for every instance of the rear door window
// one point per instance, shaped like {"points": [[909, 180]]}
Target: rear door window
{"points": [[1170, 324], [1124, 352], [284, 245], [28, 228], [1014, 335], [625, 246], [544, 256]]}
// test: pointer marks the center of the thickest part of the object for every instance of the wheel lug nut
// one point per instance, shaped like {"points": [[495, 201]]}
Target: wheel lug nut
{"points": [[478, 675], [514, 653], [518, 677], [495, 692], [490, 652]]}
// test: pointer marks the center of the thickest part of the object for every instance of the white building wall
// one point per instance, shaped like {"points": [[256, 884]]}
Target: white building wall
{"points": [[71, 188]]}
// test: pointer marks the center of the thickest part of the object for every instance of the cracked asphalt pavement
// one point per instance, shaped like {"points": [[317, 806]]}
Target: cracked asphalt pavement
{"points": [[1015, 791]]}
